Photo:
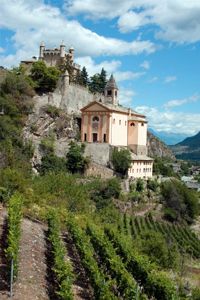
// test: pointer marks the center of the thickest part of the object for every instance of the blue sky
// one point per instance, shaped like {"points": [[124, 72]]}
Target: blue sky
{"points": [[151, 46]]}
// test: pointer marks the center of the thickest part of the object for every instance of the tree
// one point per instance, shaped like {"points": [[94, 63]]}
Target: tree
{"points": [[76, 162], [45, 78], [84, 77], [98, 82], [121, 160]]}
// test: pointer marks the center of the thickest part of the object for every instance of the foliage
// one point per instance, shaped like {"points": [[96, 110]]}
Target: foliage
{"points": [[82, 77], [52, 163], [47, 144], [102, 192], [139, 185], [45, 78], [100, 285], [180, 199], [53, 111], [121, 160], [15, 104], [154, 282], [126, 284], [152, 185], [62, 268], [98, 82], [161, 167], [156, 247], [14, 230], [76, 162]]}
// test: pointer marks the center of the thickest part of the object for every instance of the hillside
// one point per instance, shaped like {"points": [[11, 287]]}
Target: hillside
{"points": [[157, 148], [188, 149]]}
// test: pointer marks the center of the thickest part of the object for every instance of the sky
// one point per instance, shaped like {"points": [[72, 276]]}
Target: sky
{"points": [[151, 46]]}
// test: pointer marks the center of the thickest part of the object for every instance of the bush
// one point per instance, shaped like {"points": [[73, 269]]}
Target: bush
{"points": [[45, 78], [121, 160], [181, 201], [76, 162], [139, 185], [52, 163], [152, 185]]}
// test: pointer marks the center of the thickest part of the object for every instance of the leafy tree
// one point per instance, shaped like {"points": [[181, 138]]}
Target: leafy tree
{"points": [[76, 162], [121, 160], [180, 202], [162, 167], [45, 78], [158, 249]]}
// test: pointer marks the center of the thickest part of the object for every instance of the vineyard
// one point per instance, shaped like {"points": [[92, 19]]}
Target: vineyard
{"points": [[87, 261]]}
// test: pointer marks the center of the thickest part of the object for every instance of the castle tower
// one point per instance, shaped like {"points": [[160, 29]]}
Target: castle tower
{"points": [[111, 90], [71, 53], [42, 48], [62, 50]]}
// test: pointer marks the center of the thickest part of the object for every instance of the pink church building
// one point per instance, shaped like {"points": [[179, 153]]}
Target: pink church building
{"points": [[105, 121]]}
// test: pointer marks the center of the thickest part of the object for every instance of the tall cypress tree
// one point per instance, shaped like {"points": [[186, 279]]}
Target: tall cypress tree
{"points": [[84, 77]]}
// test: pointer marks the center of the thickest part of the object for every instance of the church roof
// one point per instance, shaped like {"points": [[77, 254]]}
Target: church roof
{"points": [[140, 157], [118, 108], [111, 84]]}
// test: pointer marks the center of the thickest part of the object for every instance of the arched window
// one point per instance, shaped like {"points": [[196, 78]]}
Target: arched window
{"points": [[113, 121], [142, 124], [95, 123], [95, 119], [132, 124]]}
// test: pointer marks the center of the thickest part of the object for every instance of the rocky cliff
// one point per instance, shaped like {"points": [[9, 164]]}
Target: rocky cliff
{"points": [[156, 148]]}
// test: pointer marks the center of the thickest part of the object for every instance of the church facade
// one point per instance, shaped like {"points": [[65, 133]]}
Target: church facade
{"points": [[105, 121]]}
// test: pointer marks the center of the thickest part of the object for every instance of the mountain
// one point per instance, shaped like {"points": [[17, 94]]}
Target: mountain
{"points": [[169, 138], [188, 149], [157, 148]]}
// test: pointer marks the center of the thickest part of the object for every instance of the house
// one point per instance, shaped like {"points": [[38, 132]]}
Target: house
{"points": [[105, 121]]}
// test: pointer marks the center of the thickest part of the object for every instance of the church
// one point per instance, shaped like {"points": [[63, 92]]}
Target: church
{"points": [[105, 121]]}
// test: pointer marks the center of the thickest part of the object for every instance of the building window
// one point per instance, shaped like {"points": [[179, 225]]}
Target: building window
{"points": [[113, 121], [116, 93], [104, 138], [142, 124], [95, 123], [125, 123], [85, 137], [119, 122], [109, 93], [132, 124]]}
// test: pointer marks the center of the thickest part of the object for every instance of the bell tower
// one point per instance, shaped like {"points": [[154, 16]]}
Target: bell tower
{"points": [[111, 90], [42, 48]]}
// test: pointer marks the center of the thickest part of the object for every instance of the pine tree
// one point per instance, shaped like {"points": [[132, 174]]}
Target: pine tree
{"points": [[84, 77], [103, 80]]}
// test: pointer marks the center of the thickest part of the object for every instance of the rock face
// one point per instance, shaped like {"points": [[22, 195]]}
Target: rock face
{"points": [[157, 148]]}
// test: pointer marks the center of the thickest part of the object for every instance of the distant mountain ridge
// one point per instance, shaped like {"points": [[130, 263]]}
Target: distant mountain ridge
{"points": [[169, 138], [157, 148], [188, 149]]}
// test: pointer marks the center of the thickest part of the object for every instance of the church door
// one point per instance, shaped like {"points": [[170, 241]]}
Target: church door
{"points": [[95, 136]]}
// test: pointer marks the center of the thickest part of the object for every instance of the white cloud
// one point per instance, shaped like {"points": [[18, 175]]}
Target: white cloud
{"points": [[169, 121], [153, 79], [145, 65], [178, 20], [179, 102], [2, 50], [126, 96], [33, 21], [169, 79]]}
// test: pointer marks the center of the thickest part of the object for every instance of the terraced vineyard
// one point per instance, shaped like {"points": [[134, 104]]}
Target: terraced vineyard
{"points": [[187, 241], [88, 261]]}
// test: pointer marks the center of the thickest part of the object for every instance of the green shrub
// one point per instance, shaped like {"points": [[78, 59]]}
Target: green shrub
{"points": [[76, 162], [121, 160]]}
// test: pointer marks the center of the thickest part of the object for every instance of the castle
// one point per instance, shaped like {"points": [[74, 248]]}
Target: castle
{"points": [[56, 57]]}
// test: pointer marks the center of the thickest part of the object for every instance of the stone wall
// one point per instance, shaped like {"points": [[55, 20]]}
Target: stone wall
{"points": [[99, 153], [95, 169]]}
